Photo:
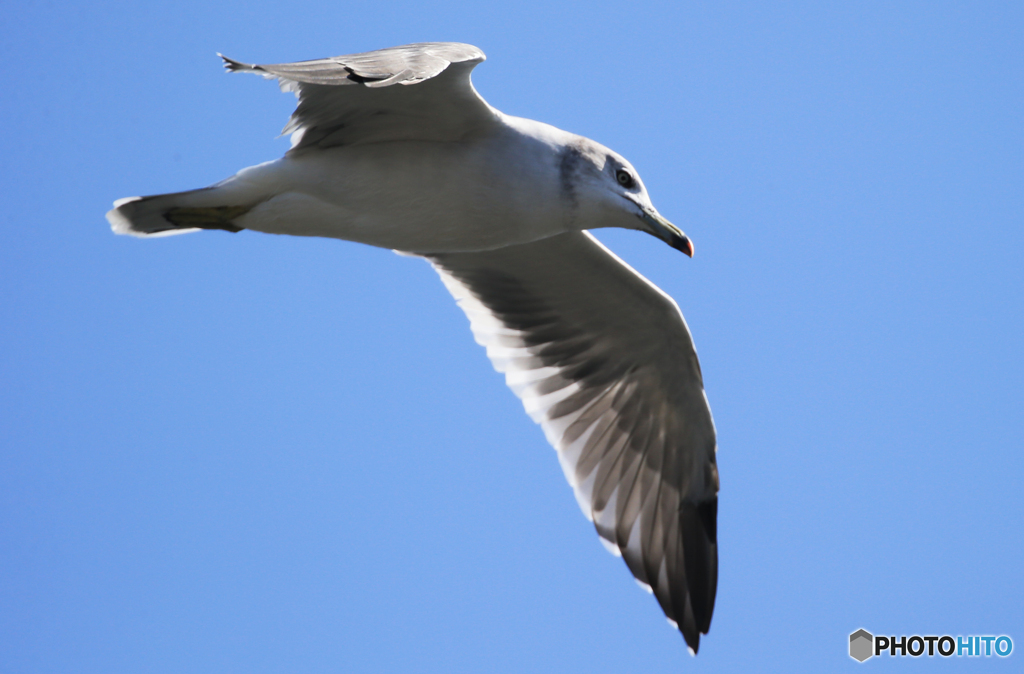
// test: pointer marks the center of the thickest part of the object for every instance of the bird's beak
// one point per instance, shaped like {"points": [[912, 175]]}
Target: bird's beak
{"points": [[666, 231]]}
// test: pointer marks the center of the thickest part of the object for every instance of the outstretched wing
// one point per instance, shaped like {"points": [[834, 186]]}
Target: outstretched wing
{"points": [[353, 99], [603, 360]]}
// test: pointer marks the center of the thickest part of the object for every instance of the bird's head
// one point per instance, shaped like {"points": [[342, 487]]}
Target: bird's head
{"points": [[606, 191]]}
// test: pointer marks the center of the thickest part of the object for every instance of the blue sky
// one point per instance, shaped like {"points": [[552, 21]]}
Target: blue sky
{"points": [[249, 453]]}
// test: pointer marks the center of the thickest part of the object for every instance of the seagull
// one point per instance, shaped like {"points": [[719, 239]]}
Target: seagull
{"points": [[395, 148]]}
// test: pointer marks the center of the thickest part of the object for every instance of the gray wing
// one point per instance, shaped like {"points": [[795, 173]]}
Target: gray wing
{"points": [[603, 360], [353, 99]]}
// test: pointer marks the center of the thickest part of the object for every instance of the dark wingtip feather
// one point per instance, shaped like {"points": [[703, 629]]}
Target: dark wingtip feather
{"points": [[700, 540], [233, 66], [691, 600]]}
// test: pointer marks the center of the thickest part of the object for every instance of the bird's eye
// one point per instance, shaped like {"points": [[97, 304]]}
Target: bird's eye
{"points": [[624, 178]]}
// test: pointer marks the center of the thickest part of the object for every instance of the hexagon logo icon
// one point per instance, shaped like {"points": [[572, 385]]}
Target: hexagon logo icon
{"points": [[861, 643]]}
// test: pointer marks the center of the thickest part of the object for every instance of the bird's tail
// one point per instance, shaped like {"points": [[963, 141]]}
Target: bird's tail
{"points": [[216, 207]]}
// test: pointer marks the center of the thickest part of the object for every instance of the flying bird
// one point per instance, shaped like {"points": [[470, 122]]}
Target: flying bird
{"points": [[395, 148]]}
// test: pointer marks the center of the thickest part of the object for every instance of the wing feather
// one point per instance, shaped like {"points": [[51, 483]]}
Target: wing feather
{"points": [[603, 360], [352, 99]]}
